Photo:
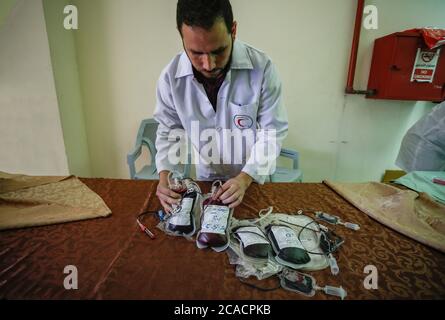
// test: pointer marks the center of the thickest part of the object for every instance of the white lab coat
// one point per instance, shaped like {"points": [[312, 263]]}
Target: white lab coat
{"points": [[249, 98]]}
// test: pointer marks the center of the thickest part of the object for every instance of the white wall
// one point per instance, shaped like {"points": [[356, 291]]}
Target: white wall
{"points": [[31, 139], [122, 45]]}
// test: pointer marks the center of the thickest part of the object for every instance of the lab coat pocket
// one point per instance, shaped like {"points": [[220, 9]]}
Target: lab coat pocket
{"points": [[244, 116]]}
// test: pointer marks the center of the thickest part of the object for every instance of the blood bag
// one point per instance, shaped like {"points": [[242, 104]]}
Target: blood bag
{"points": [[215, 220], [286, 245], [182, 219], [253, 242]]}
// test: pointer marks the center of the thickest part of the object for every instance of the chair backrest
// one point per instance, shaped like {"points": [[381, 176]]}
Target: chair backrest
{"points": [[291, 154], [147, 135]]}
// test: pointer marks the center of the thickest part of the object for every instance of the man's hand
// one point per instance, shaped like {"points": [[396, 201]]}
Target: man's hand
{"points": [[232, 192], [166, 196]]}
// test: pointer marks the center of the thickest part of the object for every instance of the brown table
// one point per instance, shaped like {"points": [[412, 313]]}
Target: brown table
{"points": [[116, 261]]}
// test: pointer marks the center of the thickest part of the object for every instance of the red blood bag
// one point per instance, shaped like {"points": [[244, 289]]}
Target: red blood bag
{"points": [[214, 221]]}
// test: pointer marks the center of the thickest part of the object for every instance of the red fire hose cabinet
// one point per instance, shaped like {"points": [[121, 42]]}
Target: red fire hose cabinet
{"points": [[404, 68]]}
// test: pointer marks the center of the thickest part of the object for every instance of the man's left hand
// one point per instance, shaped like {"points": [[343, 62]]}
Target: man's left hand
{"points": [[232, 192]]}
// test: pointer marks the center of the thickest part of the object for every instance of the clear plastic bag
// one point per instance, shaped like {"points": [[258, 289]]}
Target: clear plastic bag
{"points": [[249, 241], [305, 284], [184, 219], [253, 242], [298, 282], [215, 222], [287, 246], [306, 236], [314, 239], [246, 269]]}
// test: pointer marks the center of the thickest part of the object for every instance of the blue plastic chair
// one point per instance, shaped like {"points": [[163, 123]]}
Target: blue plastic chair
{"points": [[293, 174], [147, 137]]}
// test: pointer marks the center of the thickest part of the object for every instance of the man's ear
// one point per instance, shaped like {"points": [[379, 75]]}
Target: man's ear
{"points": [[233, 31]]}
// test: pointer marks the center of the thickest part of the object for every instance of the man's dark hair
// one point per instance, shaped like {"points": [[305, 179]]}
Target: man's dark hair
{"points": [[203, 13]]}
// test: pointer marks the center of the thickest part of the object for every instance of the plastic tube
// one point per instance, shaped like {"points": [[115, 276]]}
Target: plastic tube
{"points": [[335, 291], [352, 226], [333, 264]]}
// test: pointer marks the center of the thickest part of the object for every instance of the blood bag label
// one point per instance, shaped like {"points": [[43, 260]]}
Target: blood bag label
{"points": [[251, 235], [425, 65], [215, 219], [182, 218], [286, 238]]}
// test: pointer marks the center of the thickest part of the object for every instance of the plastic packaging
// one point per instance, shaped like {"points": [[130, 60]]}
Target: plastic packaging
{"points": [[352, 226], [315, 240], [336, 220], [250, 250], [288, 248], [327, 217], [305, 284], [330, 242], [215, 221], [246, 269], [184, 218], [433, 37], [333, 265], [333, 291], [298, 282], [307, 231], [253, 242], [423, 145]]}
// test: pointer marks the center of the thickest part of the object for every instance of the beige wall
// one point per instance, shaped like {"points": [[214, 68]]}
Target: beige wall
{"points": [[31, 139], [69, 95], [122, 45], [5, 9], [374, 129], [340, 137]]}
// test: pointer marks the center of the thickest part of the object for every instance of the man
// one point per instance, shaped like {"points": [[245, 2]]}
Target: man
{"points": [[423, 146], [218, 83]]}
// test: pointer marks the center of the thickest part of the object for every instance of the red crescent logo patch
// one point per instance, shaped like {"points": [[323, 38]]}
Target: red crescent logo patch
{"points": [[243, 121]]}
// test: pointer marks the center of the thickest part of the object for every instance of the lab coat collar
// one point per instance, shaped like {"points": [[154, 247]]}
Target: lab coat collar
{"points": [[240, 60]]}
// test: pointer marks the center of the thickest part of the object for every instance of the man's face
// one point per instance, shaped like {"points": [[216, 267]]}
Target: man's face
{"points": [[209, 50]]}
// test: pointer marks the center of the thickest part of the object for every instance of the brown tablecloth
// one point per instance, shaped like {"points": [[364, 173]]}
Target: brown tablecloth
{"points": [[116, 261]]}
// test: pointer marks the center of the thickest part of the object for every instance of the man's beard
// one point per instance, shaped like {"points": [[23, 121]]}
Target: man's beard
{"points": [[224, 70], [220, 70]]}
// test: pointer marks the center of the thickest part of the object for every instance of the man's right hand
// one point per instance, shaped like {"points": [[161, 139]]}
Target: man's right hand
{"points": [[166, 196]]}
